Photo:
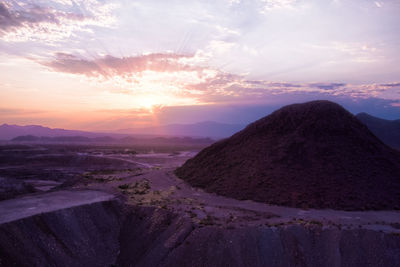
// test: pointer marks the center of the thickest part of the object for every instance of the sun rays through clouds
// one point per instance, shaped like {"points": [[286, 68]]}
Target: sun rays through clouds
{"points": [[148, 56]]}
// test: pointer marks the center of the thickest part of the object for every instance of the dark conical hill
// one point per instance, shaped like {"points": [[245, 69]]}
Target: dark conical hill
{"points": [[314, 155]]}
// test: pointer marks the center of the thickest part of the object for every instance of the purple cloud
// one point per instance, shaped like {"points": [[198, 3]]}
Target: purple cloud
{"points": [[108, 66], [11, 19], [327, 86], [391, 84], [217, 87], [50, 21]]}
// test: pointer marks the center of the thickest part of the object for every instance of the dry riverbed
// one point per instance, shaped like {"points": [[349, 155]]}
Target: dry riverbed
{"points": [[153, 183]]}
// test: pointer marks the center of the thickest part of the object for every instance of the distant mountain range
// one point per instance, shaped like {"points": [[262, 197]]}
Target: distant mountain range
{"points": [[106, 139], [386, 130], [8, 132], [213, 130], [78, 138], [310, 155], [202, 129]]}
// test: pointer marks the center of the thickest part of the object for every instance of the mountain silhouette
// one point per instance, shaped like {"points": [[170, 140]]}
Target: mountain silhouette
{"points": [[201, 129], [386, 130], [310, 155]]}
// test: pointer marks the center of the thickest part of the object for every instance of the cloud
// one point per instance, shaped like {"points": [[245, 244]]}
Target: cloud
{"points": [[185, 79], [327, 86], [51, 21], [231, 88], [243, 113], [277, 4], [391, 84], [18, 112], [151, 79], [109, 66], [31, 16]]}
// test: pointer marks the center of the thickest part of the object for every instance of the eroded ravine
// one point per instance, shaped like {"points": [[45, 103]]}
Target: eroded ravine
{"points": [[110, 233]]}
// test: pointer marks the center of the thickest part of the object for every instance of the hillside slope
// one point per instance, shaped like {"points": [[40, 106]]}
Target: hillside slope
{"points": [[314, 154]]}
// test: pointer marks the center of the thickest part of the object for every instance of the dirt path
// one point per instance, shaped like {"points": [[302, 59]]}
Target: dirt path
{"points": [[141, 164], [152, 160], [156, 185], [161, 188], [245, 212]]}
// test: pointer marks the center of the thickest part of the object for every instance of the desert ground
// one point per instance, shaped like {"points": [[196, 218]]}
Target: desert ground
{"points": [[64, 176]]}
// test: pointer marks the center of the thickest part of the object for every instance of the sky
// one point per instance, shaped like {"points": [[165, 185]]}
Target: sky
{"points": [[106, 65]]}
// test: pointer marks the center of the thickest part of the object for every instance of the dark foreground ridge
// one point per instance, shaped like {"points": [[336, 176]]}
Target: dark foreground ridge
{"points": [[108, 233], [311, 155]]}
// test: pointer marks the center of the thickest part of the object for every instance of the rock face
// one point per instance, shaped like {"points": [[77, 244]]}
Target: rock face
{"points": [[85, 235], [314, 155], [111, 234], [288, 246]]}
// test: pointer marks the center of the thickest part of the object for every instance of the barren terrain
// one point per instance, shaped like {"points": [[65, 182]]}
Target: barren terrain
{"points": [[129, 209], [147, 179]]}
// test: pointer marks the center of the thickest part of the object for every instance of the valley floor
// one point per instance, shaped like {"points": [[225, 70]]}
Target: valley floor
{"points": [[96, 207], [150, 182]]}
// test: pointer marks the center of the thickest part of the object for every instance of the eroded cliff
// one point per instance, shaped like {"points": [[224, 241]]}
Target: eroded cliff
{"points": [[110, 233]]}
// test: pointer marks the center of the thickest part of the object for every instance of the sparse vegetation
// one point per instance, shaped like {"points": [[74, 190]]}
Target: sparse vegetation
{"points": [[314, 222], [140, 187], [208, 220], [123, 186], [192, 214], [395, 225]]}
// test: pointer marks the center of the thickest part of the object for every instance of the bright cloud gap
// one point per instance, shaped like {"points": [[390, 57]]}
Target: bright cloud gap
{"points": [[168, 76]]}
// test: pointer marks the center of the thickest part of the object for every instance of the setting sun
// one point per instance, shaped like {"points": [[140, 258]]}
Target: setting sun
{"points": [[239, 58], [200, 133]]}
